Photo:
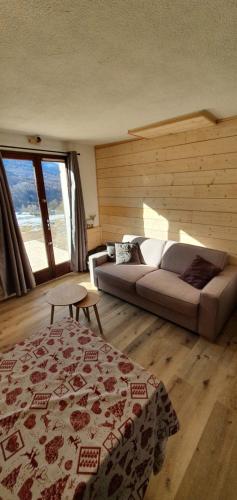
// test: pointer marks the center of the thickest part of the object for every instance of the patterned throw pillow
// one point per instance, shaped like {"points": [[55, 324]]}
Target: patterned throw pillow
{"points": [[200, 272], [110, 247], [127, 253]]}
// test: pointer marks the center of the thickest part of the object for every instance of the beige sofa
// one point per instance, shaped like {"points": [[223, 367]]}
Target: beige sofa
{"points": [[155, 285]]}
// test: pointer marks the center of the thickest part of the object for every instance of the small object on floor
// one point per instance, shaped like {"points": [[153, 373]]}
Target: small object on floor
{"points": [[65, 295], [206, 382], [90, 300]]}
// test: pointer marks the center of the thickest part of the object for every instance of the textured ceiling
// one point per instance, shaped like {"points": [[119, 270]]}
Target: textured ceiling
{"points": [[91, 69]]}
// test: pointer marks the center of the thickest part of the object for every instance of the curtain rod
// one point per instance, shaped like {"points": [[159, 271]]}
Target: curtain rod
{"points": [[39, 150]]}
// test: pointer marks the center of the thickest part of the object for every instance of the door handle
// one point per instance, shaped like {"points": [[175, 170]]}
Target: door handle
{"points": [[48, 224], [50, 243]]}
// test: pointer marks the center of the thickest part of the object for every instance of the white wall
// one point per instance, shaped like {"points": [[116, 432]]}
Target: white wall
{"points": [[20, 140], [88, 177], [86, 163]]}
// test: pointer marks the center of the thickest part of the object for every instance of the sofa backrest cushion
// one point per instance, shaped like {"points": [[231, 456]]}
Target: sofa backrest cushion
{"points": [[177, 257], [151, 248]]}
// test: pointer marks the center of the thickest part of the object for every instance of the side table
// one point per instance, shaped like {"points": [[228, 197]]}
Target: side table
{"points": [[90, 300], [65, 295]]}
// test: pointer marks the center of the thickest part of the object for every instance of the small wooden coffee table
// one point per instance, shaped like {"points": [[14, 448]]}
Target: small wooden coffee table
{"points": [[65, 295], [90, 300]]}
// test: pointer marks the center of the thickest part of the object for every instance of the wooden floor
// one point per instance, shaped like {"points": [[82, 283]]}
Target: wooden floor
{"points": [[201, 460]]}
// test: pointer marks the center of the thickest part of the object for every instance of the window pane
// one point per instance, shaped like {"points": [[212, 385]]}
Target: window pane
{"points": [[58, 207], [21, 180]]}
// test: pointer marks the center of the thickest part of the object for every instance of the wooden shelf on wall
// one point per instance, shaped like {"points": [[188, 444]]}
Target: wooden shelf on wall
{"points": [[184, 123]]}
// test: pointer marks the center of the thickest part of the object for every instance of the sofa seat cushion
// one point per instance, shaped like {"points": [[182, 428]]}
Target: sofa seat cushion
{"points": [[123, 275], [168, 290]]}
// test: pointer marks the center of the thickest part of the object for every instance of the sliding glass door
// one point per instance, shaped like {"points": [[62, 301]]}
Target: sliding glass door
{"points": [[38, 186]]}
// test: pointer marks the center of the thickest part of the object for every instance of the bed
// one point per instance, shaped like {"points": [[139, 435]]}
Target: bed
{"points": [[78, 419]]}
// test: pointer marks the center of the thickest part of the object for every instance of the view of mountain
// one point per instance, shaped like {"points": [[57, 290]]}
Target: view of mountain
{"points": [[21, 179]]}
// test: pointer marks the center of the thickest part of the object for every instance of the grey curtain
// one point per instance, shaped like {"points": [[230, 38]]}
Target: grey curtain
{"points": [[77, 215], [15, 272]]}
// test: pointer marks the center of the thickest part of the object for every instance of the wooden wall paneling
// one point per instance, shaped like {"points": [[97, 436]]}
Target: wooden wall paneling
{"points": [[181, 187], [198, 164], [94, 236], [212, 204], [195, 149], [194, 191], [224, 176], [167, 226], [215, 218], [173, 233]]}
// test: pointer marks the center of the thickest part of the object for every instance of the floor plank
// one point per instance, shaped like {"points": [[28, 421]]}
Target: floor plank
{"points": [[214, 454], [201, 460]]}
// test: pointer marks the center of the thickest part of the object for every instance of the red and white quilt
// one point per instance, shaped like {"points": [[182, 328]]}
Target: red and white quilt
{"points": [[78, 419]]}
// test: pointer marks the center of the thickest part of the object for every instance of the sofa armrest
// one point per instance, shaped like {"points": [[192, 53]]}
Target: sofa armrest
{"points": [[217, 300], [95, 260]]}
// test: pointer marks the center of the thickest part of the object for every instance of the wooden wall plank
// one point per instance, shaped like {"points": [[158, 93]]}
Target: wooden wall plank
{"points": [[216, 162], [94, 237], [206, 191], [224, 176], [213, 218], [212, 147], [166, 226], [214, 205]]}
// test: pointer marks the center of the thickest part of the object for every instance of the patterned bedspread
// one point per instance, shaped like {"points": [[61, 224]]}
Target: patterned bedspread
{"points": [[78, 419]]}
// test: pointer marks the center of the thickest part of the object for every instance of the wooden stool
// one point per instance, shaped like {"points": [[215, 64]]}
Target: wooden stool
{"points": [[90, 300]]}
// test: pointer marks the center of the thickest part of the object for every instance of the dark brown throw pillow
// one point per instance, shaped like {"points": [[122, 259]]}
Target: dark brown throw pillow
{"points": [[200, 272], [127, 253]]}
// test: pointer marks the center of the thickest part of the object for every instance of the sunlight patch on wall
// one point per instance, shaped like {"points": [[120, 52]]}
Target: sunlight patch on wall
{"points": [[151, 213], [155, 224], [186, 238], [158, 226]]}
